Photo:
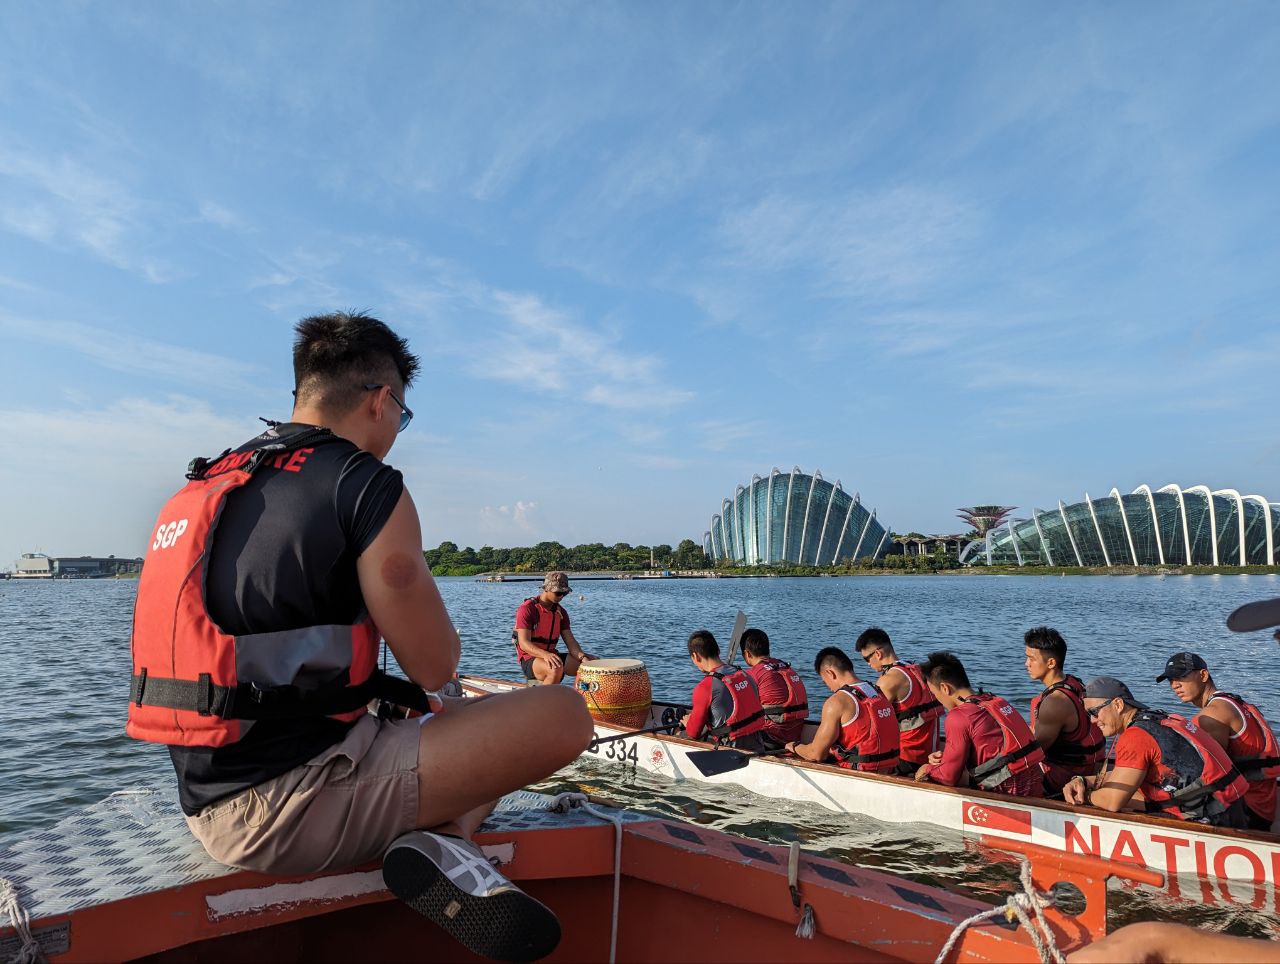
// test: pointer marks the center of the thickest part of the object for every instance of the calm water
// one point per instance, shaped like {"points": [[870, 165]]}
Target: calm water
{"points": [[64, 656]]}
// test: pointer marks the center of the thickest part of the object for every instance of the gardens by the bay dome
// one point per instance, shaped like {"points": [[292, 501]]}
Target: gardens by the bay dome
{"points": [[793, 517], [1168, 526]]}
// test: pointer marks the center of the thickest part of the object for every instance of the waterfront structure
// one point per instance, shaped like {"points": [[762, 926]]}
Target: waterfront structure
{"points": [[37, 565], [984, 518], [796, 518], [1148, 527]]}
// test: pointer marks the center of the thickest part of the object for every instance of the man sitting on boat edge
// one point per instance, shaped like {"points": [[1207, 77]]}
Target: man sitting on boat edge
{"points": [[919, 714], [726, 705], [541, 621], [782, 692], [1238, 726], [256, 673], [858, 730], [1072, 743], [988, 745], [1178, 769]]}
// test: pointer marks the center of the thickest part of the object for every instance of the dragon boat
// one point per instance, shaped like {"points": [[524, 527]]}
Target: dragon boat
{"points": [[1200, 863]]}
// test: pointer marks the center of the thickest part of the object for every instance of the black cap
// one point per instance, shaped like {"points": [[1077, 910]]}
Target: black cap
{"points": [[1109, 688], [1180, 665], [1255, 615]]}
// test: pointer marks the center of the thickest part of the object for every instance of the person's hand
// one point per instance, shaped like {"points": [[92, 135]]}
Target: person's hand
{"points": [[935, 758], [684, 720], [586, 657], [1076, 791], [553, 658], [923, 773]]}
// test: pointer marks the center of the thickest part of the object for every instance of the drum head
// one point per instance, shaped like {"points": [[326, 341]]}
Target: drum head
{"points": [[618, 665]]}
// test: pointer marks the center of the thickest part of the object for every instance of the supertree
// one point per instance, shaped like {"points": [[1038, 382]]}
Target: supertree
{"points": [[984, 518]]}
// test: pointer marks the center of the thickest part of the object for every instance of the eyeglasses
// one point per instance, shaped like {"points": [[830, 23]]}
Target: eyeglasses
{"points": [[1093, 713], [406, 413], [561, 592]]}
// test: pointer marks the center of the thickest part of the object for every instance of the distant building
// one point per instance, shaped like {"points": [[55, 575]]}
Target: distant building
{"points": [[1168, 526], [37, 565], [794, 517]]}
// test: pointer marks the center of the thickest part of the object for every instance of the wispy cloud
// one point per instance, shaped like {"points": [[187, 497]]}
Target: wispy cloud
{"points": [[133, 354], [508, 520], [57, 200]]}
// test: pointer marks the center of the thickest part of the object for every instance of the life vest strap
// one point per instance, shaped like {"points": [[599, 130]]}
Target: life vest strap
{"points": [[251, 701], [775, 710], [1074, 755], [916, 711], [850, 757], [997, 763]]}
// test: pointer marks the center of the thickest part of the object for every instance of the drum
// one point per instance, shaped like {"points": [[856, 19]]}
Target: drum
{"points": [[617, 691]]}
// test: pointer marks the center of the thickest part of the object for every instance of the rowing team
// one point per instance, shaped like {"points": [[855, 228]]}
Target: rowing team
{"points": [[1219, 768]]}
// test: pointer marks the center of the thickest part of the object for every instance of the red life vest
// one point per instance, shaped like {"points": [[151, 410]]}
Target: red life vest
{"points": [[194, 685], [869, 741], [746, 715], [918, 708], [1256, 755], [1020, 751], [1195, 779], [546, 633], [796, 705], [1083, 749]]}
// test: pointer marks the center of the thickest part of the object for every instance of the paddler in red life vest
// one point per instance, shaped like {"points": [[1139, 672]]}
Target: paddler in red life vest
{"points": [[1072, 743], [541, 621], [726, 704], [858, 729], [782, 693], [271, 578], [1180, 771], [918, 713], [988, 745], [1239, 728]]}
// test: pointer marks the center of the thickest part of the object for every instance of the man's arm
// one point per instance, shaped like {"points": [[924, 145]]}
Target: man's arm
{"points": [[403, 600], [696, 719], [1056, 715], [1220, 720], [1153, 942], [572, 644], [825, 738], [524, 640], [1117, 788], [950, 771], [893, 684]]}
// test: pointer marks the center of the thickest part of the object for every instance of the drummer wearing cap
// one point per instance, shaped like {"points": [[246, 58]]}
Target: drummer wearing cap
{"points": [[1179, 771], [1239, 728], [540, 623]]}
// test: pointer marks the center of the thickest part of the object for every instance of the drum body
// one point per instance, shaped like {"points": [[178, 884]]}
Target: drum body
{"points": [[617, 691]]}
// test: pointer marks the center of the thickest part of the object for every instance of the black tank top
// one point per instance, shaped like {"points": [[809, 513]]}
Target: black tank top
{"points": [[284, 556]]}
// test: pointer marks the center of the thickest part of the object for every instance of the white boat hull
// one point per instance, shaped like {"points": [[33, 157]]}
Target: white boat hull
{"points": [[1216, 865]]}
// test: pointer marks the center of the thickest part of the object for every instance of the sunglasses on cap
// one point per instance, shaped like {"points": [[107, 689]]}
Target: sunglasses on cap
{"points": [[406, 413]]}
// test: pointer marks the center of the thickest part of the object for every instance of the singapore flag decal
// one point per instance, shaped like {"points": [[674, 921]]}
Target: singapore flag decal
{"points": [[985, 816]]}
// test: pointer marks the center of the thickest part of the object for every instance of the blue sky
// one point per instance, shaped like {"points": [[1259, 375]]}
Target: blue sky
{"points": [[947, 253]]}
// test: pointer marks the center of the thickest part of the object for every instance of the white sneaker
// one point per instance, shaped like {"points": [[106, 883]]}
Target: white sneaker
{"points": [[451, 883]]}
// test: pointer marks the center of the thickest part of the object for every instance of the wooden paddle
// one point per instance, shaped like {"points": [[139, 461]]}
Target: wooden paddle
{"points": [[739, 626], [711, 763]]}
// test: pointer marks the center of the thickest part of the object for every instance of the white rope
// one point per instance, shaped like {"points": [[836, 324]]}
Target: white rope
{"points": [[565, 802], [1016, 907], [29, 952]]}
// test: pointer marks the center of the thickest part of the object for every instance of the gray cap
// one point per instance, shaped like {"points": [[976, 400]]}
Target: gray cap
{"points": [[1109, 688], [1255, 615]]}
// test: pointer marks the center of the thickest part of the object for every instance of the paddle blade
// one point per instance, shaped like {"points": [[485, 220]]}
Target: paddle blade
{"points": [[739, 627], [712, 763], [1254, 616]]}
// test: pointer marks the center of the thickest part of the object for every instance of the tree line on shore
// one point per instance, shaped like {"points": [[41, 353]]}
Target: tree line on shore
{"points": [[449, 560]]}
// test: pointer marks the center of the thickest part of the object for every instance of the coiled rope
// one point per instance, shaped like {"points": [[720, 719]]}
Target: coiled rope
{"points": [[29, 952], [565, 802], [1016, 907]]}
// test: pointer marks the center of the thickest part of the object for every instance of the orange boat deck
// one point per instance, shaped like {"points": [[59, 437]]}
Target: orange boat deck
{"points": [[117, 884]]}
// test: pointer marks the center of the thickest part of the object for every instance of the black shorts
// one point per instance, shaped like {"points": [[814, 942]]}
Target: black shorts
{"points": [[526, 665]]}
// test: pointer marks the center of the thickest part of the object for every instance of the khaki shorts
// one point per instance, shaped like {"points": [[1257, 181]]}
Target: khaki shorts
{"points": [[342, 808]]}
